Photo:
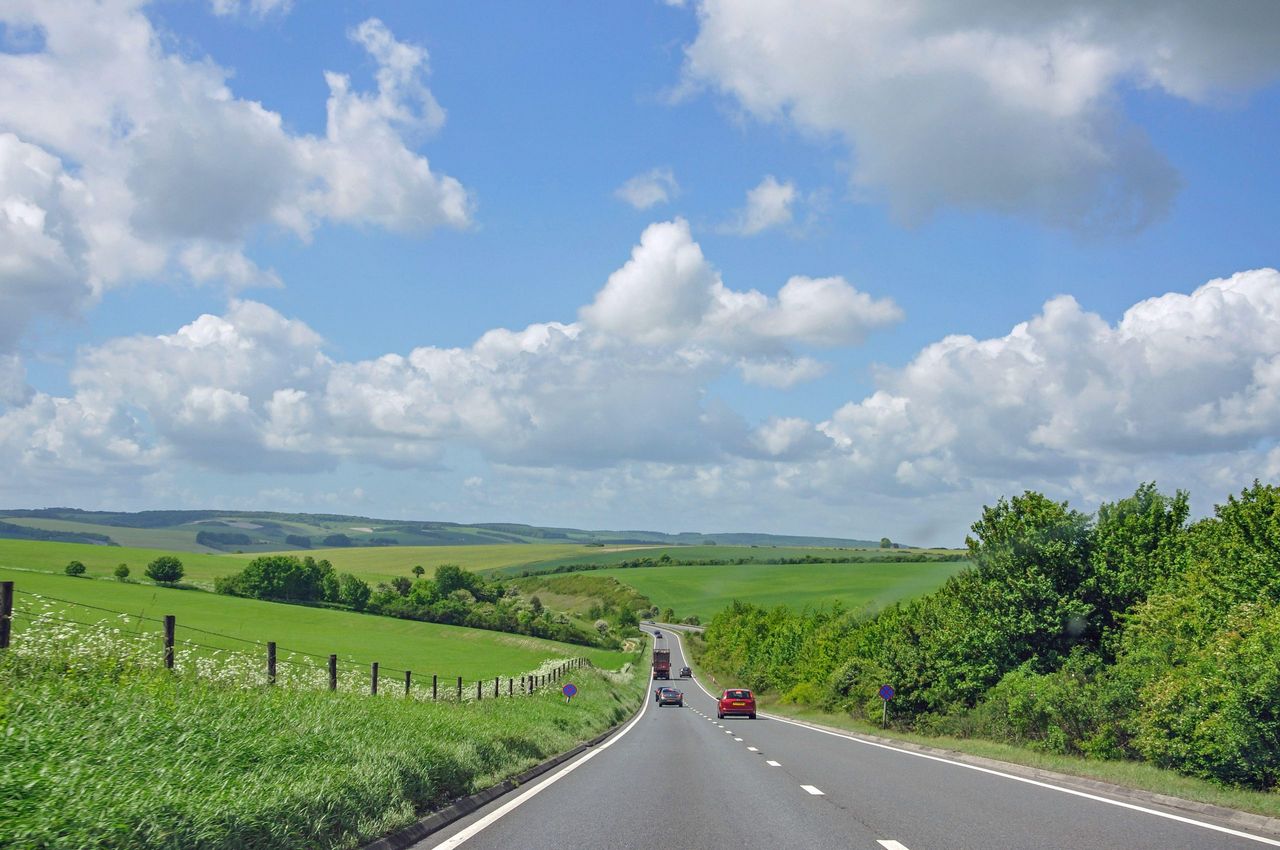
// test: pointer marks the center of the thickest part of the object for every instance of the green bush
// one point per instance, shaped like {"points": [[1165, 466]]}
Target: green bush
{"points": [[121, 571], [166, 569], [74, 568]]}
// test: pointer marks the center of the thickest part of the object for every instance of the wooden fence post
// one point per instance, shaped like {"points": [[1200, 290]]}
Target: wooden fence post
{"points": [[407, 674], [511, 687], [169, 625], [6, 612], [459, 689], [495, 686], [333, 672], [433, 686], [373, 679], [271, 662], [479, 690]]}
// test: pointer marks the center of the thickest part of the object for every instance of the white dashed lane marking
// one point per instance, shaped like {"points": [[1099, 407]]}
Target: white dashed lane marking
{"points": [[812, 790], [739, 740], [892, 845], [753, 749], [773, 763]]}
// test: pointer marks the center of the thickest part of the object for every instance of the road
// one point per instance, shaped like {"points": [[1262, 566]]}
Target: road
{"points": [[678, 777]]}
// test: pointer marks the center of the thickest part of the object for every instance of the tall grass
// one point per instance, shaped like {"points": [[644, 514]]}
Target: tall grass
{"points": [[98, 748]]}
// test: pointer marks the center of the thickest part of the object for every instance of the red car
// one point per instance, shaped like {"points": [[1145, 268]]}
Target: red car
{"points": [[736, 701]]}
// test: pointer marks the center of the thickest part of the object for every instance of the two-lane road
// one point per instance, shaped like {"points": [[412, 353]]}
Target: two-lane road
{"points": [[679, 777]]}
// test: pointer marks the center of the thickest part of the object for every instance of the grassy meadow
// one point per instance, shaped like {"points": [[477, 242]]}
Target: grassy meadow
{"points": [[373, 564], [119, 757], [425, 648], [758, 554], [702, 591]]}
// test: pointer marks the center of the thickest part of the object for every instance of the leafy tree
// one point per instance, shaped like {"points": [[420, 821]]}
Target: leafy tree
{"points": [[74, 568], [627, 619], [121, 571], [336, 540], [165, 569], [401, 585], [668, 615], [602, 626], [418, 570], [535, 604], [886, 543], [353, 592]]}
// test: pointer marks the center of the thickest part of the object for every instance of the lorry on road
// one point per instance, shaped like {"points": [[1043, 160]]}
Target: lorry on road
{"points": [[662, 664]]}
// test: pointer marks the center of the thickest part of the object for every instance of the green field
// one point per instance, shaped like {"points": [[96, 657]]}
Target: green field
{"points": [[424, 648], [703, 591], [759, 554], [373, 564]]}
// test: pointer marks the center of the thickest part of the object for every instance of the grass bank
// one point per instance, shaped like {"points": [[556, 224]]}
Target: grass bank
{"points": [[108, 755], [424, 648], [1129, 774]]}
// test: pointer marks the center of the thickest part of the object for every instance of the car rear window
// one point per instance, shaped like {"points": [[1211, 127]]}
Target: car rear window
{"points": [[738, 694]]}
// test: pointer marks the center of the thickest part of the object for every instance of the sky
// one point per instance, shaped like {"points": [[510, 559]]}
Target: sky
{"points": [[852, 267]]}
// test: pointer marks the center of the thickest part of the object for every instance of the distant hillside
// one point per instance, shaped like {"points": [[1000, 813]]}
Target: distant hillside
{"points": [[263, 531]]}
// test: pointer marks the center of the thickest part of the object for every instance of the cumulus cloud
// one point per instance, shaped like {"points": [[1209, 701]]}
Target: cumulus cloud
{"points": [[768, 205], [1007, 107], [120, 160], [1067, 394], [669, 294], [656, 186], [255, 390]]}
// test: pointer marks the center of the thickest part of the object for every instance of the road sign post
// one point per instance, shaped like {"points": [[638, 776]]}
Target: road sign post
{"points": [[886, 694]]}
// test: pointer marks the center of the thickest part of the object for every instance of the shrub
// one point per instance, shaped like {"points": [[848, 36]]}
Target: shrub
{"points": [[353, 592], [166, 569], [74, 568], [121, 571]]}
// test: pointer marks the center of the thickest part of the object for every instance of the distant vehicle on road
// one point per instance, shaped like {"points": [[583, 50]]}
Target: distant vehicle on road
{"points": [[685, 672], [670, 696], [662, 664], [657, 634], [738, 701]]}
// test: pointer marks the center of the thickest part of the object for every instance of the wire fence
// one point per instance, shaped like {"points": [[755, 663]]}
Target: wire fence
{"points": [[49, 631]]}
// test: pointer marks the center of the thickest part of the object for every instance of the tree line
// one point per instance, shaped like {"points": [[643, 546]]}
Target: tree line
{"points": [[453, 596], [1127, 634], [667, 561]]}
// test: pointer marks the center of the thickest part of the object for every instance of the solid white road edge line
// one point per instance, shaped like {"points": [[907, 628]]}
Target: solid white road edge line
{"points": [[812, 790], [892, 845], [506, 808], [1131, 806]]}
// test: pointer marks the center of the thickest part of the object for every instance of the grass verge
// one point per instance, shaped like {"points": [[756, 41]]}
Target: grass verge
{"points": [[1129, 774], [111, 756]]}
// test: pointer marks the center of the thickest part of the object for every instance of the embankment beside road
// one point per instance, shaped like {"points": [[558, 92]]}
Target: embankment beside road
{"points": [[95, 755]]}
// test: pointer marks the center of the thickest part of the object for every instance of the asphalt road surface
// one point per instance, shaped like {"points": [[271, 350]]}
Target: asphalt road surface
{"points": [[680, 778]]}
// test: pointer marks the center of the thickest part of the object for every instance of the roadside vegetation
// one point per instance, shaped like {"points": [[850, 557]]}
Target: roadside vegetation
{"points": [[1127, 635], [99, 748]]}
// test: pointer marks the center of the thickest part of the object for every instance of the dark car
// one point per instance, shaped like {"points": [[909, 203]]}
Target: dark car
{"points": [[657, 634], [670, 696], [685, 672], [737, 701]]}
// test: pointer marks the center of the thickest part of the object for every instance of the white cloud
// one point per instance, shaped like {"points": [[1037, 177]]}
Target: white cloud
{"points": [[656, 186], [1007, 107], [256, 8], [768, 205], [120, 160], [781, 373], [669, 294], [254, 390]]}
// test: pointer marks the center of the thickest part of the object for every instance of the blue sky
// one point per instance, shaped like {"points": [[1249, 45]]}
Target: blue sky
{"points": [[980, 258]]}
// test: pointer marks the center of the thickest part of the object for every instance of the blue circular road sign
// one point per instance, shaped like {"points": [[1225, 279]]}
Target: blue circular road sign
{"points": [[569, 690], [887, 692]]}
